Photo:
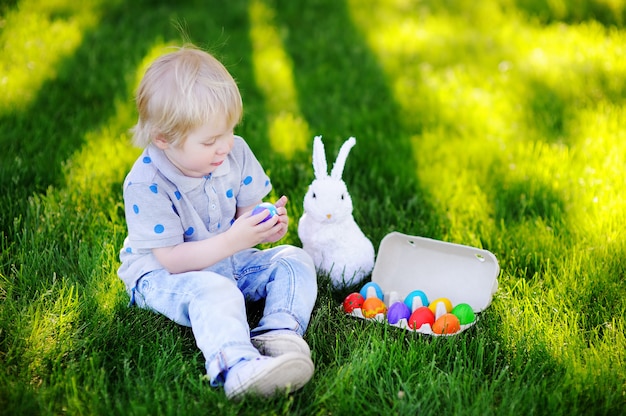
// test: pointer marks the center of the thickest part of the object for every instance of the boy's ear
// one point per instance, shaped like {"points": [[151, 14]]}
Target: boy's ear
{"points": [[160, 142]]}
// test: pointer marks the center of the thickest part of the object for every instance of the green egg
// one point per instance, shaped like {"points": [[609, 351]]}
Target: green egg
{"points": [[465, 313]]}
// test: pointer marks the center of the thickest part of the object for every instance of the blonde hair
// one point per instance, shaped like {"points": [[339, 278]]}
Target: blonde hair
{"points": [[181, 91]]}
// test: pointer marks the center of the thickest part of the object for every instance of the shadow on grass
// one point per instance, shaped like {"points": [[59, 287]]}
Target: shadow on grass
{"points": [[606, 13], [552, 109], [519, 201], [333, 63]]}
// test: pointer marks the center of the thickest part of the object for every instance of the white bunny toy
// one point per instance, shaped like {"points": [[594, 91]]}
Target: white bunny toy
{"points": [[327, 228]]}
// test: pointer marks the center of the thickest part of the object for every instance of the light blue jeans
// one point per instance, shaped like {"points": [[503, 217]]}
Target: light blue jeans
{"points": [[212, 301]]}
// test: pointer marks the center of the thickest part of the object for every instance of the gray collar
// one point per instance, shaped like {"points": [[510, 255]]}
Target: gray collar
{"points": [[174, 175]]}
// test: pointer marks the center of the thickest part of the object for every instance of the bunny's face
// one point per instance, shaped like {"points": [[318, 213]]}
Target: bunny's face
{"points": [[328, 200]]}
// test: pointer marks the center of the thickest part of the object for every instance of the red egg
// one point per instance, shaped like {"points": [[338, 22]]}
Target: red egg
{"points": [[420, 316], [372, 307], [353, 301]]}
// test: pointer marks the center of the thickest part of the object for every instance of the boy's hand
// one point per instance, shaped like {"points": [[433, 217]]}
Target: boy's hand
{"points": [[281, 226], [249, 230]]}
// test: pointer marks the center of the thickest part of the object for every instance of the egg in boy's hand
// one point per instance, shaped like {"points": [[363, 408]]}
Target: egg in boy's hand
{"points": [[262, 206]]}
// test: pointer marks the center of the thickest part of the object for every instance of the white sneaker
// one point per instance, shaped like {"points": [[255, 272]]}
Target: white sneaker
{"points": [[266, 376], [279, 342]]}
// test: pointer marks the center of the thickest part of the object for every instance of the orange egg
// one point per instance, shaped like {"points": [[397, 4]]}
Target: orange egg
{"points": [[447, 324], [372, 307], [445, 301]]}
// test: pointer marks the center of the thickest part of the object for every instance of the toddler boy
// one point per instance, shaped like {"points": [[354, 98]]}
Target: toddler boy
{"points": [[190, 254]]}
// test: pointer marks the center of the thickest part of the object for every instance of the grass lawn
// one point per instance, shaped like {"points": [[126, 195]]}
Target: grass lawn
{"points": [[496, 124]]}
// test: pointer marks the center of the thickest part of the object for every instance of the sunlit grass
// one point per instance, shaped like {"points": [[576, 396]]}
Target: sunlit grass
{"points": [[51, 322], [273, 70], [105, 157], [35, 37]]}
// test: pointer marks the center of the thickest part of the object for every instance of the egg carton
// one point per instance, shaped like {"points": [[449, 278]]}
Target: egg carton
{"points": [[460, 273], [404, 324]]}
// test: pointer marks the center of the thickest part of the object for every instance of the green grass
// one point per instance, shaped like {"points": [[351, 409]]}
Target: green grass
{"points": [[494, 124]]}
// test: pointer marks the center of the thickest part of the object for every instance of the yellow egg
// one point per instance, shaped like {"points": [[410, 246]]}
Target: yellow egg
{"points": [[445, 301]]}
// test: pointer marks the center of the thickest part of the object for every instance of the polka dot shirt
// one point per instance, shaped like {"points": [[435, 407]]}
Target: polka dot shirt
{"points": [[165, 208]]}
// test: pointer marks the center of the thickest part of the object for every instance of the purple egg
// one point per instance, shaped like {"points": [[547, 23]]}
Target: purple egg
{"points": [[398, 311], [265, 205]]}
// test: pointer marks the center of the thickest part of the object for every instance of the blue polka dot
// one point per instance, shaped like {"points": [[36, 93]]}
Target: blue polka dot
{"points": [[177, 195], [232, 221], [230, 193], [267, 182], [154, 188], [129, 250], [219, 226], [174, 209], [247, 180], [147, 159], [189, 231], [159, 228], [135, 209]]}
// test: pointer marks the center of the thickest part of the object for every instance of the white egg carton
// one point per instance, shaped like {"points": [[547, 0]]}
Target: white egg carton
{"points": [[460, 273]]}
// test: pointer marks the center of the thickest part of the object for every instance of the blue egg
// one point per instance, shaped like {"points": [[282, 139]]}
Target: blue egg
{"points": [[379, 291], [398, 311], [265, 205], [408, 301]]}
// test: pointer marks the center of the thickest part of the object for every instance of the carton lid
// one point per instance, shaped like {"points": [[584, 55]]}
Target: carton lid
{"points": [[460, 273]]}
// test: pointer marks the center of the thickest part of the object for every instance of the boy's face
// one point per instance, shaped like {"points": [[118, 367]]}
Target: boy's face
{"points": [[204, 149]]}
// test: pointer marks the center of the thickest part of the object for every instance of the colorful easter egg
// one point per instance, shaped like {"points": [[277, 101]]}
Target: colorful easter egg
{"points": [[447, 324], [265, 206], [398, 311], [375, 288], [353, 301], [372, 307], [420, 316], [465, 313], [445, 301], [410, 299]]}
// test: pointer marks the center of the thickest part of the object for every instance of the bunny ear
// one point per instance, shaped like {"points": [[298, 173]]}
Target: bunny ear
{"points": [[341, 158], [319, 158]]}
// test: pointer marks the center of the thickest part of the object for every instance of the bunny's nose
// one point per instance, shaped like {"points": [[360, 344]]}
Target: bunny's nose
{"points": [[328, 216]]}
